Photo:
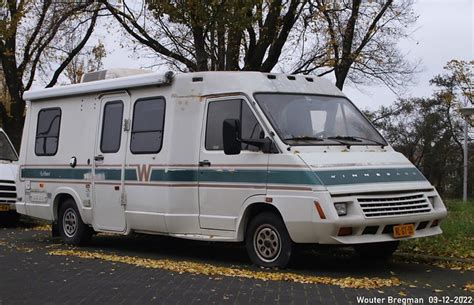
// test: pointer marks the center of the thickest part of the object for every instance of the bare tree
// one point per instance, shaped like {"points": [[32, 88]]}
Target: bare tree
{"points": [[28, 29], [212, 35], [356, 40]]}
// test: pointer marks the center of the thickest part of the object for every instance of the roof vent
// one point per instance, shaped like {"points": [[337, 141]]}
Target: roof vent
{"points": [[110, 74]]}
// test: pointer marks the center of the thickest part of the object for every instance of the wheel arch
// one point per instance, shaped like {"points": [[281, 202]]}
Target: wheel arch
{"points": [[61, 195], [252, 207]]}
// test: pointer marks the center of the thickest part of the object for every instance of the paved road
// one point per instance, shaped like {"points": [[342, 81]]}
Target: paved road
{"points": [[29, 275]]}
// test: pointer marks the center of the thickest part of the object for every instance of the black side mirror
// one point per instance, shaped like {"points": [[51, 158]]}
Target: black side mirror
{"points": [[231, 136]]}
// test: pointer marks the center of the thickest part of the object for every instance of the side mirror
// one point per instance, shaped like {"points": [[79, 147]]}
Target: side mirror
{"points": [[231, 136]]}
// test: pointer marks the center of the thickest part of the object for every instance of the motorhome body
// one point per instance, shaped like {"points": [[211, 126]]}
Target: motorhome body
{"points": [[146, 154]]}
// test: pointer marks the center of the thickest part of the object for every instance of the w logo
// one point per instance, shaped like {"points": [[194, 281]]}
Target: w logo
{"points": [[144, 171]]}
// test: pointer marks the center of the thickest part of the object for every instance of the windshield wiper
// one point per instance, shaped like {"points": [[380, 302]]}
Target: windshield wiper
{"points": [[304, 138], [357, 139]]}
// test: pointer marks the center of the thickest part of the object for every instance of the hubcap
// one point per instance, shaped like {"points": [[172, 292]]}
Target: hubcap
{"points": [[267, 243], [70, 222]]}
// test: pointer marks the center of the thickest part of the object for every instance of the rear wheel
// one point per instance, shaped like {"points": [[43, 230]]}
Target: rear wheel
{"points": [[72, 229], [268, 242], [381, 250]]}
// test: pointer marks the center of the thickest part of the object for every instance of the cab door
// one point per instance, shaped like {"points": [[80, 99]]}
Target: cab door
{"points": [[226, 181], [108, 164]]}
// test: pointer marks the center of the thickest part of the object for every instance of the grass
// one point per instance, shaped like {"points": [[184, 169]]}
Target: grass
{"points": [[457, 239]]}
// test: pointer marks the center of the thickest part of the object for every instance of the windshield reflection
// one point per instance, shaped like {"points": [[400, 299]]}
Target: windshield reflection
{"points": [[317, 120]]}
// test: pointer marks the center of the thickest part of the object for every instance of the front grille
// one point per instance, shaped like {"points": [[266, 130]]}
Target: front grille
{"points": [[378, 206], [7, 191]]}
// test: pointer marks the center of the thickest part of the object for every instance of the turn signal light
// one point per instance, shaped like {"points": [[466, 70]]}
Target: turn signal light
{"points": [[435, 223], [320, 210], [345, 231]]}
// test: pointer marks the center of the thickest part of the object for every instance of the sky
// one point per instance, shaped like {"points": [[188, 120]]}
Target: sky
{"points": [[444, 31]]}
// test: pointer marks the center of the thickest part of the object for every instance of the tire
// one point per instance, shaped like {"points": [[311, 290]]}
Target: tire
{"points": [[268, 242], [9, 219], [383, 250], [72, 229]]}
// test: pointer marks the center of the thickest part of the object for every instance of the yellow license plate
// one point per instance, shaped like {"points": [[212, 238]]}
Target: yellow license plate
{"points": [[4, 208], [403, 230]]}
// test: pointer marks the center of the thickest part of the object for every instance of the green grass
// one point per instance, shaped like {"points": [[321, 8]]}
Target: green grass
{"points": [[457, 239]]}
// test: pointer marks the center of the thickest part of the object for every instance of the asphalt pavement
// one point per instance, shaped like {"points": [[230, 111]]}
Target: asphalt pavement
{"points": [[36, 268]]}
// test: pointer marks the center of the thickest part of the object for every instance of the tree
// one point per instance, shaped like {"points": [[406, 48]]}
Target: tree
{"points": [[212, 35], [428, 131], [28, 30], [89, 59], [356, 40]]}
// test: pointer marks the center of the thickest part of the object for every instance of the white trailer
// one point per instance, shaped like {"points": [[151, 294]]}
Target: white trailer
{"points": [[271, 160], [8, 174]]}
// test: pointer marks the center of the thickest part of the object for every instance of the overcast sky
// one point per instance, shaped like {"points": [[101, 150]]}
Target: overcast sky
{"points": [[444, 31]]}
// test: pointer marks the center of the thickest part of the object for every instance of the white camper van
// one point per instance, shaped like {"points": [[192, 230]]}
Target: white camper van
{"points": [[8, 173], [271, 160]]}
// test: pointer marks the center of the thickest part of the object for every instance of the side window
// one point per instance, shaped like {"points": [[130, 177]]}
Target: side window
{"points": [[147, 127], [111, 127], [47, 132], [219, 111]]}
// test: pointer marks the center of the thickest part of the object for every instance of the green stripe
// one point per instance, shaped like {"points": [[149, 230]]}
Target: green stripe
{"points": [[292, 177], [55, 173], [233, 176], [369, 175], [186, 175]]}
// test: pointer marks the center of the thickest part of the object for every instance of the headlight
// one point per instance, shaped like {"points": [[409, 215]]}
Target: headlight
{"points": [[341, 208]]}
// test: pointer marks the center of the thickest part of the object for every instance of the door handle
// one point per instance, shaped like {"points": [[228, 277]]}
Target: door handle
{"points": [[205, 163], [99, 158]]}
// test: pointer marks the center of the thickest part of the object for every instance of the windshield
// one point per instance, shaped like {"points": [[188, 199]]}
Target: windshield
{"points": [[6, 150], [317, 120]]}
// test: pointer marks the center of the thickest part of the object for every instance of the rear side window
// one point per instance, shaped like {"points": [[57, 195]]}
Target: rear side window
{"points": [[112, 127], [47, 132], [147, 127], [219, 111]]}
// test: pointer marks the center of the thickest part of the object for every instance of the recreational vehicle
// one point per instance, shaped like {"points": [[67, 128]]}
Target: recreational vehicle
{"points": [[8, 173], [270, 160]]}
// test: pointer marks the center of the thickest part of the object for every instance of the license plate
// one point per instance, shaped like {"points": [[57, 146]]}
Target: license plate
{"points": [[403, 230], [4, 208]]}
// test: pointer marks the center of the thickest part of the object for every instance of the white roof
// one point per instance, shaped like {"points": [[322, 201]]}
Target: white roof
{"points": [[197, 83]]}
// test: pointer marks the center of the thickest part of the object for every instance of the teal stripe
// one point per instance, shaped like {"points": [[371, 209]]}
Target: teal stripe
{"points": [[55, 173], [291, 177], [234, 176], [379, 175], [109, 174], [186, 175]]}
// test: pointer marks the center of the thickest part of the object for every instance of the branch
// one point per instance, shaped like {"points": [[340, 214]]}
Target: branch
{"points": [[143, 37], [74, 52]]}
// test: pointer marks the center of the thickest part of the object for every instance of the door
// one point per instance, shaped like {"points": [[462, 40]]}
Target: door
{"points": [[108, 161], [226, 181]]}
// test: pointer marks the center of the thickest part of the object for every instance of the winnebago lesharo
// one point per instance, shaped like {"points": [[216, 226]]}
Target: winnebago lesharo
{"points": [[267, 159]]}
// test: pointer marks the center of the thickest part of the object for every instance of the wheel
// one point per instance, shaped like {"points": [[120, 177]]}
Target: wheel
{"points": [[9, 219], [268, 242], [381, 250], [72, 229]]}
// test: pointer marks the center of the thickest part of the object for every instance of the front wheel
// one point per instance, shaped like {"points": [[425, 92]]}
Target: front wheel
{"points": [[268, 242], [72, 229], [382, 250]]}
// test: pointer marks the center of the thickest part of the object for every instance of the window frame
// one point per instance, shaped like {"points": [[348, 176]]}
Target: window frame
{"points": [[59, 131], [242, 101], [121, 126], [144, 99]]}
